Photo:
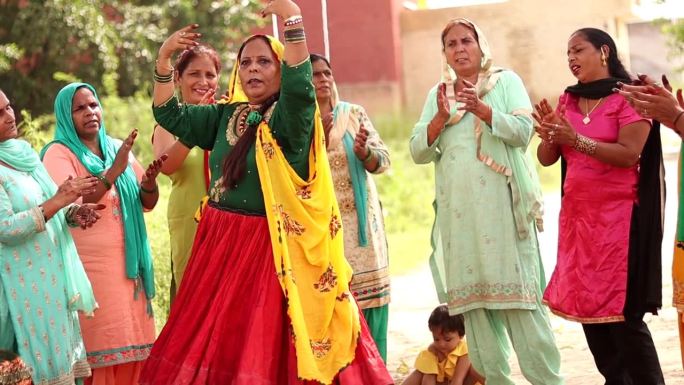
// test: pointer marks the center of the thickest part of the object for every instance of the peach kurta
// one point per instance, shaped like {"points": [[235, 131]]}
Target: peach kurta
{"points": [[121, 331]]}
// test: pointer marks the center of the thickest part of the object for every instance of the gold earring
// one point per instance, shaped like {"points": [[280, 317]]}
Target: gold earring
{"points": [[604, 60]]}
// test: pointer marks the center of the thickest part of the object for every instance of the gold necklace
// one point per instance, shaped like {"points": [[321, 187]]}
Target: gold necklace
{"points": [[587, 119]]}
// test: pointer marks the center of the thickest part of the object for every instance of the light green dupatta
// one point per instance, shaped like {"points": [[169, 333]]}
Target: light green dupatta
{"points": [[138, 253], [19, 155]]}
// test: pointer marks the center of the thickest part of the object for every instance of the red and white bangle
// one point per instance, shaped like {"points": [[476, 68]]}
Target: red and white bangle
{"points": [[293, 20]]}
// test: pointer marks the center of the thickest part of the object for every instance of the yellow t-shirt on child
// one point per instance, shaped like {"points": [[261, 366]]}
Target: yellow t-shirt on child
{"points": [[428, 363]]}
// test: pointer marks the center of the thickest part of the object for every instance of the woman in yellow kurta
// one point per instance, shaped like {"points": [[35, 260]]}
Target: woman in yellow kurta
{"points": [[196, 76]]}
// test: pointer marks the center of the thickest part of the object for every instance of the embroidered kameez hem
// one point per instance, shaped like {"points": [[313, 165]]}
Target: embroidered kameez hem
{"points": [[81, 369], [492, 296], [119, 356], [373, 302], [371, 294], [459, 307], [587, 320]]}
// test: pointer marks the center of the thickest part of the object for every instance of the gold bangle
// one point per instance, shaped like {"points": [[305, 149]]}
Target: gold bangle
{"points": [[102, 178], [585, 145]]}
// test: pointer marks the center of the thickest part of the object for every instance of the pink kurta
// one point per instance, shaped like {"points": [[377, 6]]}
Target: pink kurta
{"points": [[121, 331], [589, 283]]}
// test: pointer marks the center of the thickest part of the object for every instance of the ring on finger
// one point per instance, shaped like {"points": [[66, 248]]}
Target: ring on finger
{"points": [[182, 33]]}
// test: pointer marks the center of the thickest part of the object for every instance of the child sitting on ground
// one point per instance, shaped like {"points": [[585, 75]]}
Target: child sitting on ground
{"points": [[445, 361]]}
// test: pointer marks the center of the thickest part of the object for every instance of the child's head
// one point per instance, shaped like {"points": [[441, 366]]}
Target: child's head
{"points": [[447, 330]]}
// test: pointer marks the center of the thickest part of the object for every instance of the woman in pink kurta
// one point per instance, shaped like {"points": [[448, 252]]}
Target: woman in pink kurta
{"points": [[589, 282], [608, 273]]}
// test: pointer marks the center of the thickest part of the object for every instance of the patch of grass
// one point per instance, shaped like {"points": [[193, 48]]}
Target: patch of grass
{"points": [[408, 250]]}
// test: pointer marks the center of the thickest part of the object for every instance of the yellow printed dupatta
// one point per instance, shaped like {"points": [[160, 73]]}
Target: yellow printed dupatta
{"points": [[308, 249]]}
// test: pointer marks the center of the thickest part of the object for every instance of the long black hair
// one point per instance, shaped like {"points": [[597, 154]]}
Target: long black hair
{"points": [[236, 161], [598, 39]]}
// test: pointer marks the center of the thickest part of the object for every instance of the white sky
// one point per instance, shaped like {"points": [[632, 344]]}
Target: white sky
{"points": [[647, 9]]}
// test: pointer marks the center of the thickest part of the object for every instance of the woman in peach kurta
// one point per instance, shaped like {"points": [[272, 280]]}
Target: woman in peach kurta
{"points": [[122, 330], [115, 253]]}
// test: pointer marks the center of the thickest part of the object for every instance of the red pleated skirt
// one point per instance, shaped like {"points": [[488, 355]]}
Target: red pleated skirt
{"points": [[229, 324]]}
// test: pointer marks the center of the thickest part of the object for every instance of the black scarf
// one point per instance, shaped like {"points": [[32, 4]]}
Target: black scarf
{"points": [[644, 271], [597, 89]]}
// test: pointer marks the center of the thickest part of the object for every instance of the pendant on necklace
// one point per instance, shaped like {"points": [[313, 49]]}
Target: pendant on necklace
{"points": [[586, 119]]}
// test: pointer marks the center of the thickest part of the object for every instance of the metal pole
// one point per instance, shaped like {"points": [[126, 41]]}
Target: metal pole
{"points": [[324, 17], [274, 22]]}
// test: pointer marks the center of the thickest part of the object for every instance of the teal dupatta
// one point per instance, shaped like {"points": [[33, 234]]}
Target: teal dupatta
{"points": [[139, 264], [357, 172], [19, 155]]}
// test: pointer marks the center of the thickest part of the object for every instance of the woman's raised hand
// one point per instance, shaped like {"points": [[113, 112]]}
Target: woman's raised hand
{"points": [[361, 143], [443, 108], [552, 127], [184, 38], [121, 160], [154, 168], [282, 8], [468, 96], [653, 100], [560, 133]]}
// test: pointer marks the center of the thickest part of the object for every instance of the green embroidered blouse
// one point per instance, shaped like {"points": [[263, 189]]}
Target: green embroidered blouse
{"points": [[215, 128]]}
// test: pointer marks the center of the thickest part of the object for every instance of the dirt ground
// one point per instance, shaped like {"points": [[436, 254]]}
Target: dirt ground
{"points": [[414, 299]]}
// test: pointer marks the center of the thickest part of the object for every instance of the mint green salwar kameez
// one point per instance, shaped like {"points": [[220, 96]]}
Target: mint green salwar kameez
{"points": [[486, 262], [38, 319]]}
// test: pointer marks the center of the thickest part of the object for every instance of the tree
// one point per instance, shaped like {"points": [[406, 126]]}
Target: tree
{"points": [[675, 32], [110, 44]]}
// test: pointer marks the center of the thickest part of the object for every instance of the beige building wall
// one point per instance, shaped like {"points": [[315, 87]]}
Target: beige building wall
{"points": [[527, 36]]}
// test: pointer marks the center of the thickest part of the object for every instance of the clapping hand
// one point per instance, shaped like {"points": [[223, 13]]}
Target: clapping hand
{"points": [[87, 214], [153, 170], [468, 96], [653, 100], [121, 160], [360, 143], [74, 188], [552, 127]]}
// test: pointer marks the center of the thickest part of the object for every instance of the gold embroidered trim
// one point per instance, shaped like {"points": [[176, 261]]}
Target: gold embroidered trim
{"points": [[586, 320], [486, 159], [232, 136]]}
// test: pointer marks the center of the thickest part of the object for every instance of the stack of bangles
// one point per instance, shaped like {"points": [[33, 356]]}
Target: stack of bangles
{"points": [[293, 30], [585, 145], [163, 78]]}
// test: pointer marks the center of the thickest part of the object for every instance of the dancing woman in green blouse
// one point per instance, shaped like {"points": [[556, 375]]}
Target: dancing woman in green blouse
{"points": [[265, 296]]}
